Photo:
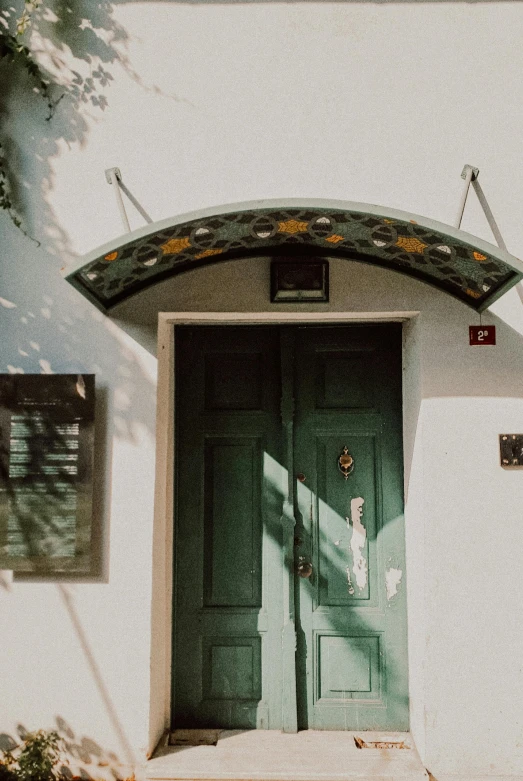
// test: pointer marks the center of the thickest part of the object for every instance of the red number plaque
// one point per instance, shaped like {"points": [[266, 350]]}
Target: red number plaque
{"points": [[482, 334]]}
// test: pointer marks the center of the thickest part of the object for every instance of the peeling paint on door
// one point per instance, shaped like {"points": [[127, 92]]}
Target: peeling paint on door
{"points": [[392, 580], [357, 543], [349, 580]]}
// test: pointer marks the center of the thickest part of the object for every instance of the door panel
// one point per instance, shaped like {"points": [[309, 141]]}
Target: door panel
{"points": [[348, 666], [233, 469], [346, 562], [252, 402], [232, 668], [351, 639], [344, 379], [227, 604], [234, 380]]}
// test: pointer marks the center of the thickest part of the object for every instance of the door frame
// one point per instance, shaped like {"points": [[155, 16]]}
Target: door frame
{"points": [[163, 530]]}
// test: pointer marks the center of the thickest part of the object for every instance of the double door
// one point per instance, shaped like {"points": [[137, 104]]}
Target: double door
{"points": [[289, 594]]}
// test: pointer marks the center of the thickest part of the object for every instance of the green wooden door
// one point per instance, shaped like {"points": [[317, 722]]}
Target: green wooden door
{"points": [[255, 645], [351, 613], [227, 534]]}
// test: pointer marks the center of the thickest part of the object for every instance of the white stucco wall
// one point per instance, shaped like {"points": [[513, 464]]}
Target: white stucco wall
{"points": [[220, 102]]}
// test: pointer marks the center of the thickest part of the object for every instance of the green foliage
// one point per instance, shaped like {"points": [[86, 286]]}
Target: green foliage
{"points": [[23, 22], [36, 759], [6, 203], [15, 51], [7, 767], [39, 756], [51, 52]]}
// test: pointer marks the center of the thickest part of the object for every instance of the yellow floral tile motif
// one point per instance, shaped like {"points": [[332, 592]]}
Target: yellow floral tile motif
{"points": [[389, 222], [479, 256], [472, 293], [173, 246], [292, 226], [208, 252], [111, 256], [334, 239], [413, 222], [411, 244]]}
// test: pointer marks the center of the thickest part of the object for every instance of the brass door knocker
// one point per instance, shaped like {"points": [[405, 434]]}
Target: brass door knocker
{"points": [[304, 567], [345, 463]]}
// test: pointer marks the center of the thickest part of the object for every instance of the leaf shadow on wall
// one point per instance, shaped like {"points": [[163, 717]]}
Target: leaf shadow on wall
{"points": [[30, 136], [48, 329], [80, 48]]}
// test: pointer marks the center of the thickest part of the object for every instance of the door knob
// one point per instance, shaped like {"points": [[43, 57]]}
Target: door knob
{"points": [[304, 568]]}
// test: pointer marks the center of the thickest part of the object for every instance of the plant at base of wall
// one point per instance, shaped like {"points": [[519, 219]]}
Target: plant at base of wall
{"points": [[42, 756], [37, 758]]}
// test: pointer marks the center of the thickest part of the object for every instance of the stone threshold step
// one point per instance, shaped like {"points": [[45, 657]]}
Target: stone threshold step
{"points": [[268, 755]]}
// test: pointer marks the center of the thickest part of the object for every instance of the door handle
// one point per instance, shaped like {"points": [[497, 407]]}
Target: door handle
{"points": [[304, 568]]}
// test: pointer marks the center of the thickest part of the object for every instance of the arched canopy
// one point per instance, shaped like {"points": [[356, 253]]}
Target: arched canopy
{"points": [[462, 265]]}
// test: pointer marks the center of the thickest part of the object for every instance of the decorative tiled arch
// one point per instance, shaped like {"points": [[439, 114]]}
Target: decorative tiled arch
{"points": [[459, 264]]}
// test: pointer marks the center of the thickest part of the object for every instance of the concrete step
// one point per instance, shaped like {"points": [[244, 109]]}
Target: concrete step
{"points": [[268, 755]]}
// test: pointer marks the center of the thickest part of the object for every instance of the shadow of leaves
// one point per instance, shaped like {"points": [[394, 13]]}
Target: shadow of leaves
{"points": [[62, 64]]}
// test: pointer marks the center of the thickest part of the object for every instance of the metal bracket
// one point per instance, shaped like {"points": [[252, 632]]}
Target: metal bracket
{"points": [[113, 176], [467, 169], [470, 175]]}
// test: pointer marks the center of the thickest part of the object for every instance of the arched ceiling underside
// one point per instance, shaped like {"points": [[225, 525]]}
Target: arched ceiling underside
{"points": [[457, 263]]}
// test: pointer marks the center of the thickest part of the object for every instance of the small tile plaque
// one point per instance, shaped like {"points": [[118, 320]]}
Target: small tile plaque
{"points": [[511, 450]]}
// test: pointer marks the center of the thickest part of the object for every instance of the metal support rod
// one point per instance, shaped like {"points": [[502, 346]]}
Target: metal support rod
{"points": [[488, 214], [469, 174], [113, 176], [139, 208]]}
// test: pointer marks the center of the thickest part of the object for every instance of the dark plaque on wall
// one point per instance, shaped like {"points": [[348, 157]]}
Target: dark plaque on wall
{"points": [[46, 470], [299, 281]]}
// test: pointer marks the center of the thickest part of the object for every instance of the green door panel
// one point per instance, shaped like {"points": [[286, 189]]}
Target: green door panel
{"points": [[254, 644], [227, 629], [351, 639], [232, 487]]}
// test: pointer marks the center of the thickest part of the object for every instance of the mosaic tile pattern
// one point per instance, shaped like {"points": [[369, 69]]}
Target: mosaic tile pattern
{"points": [[431, 256]]}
